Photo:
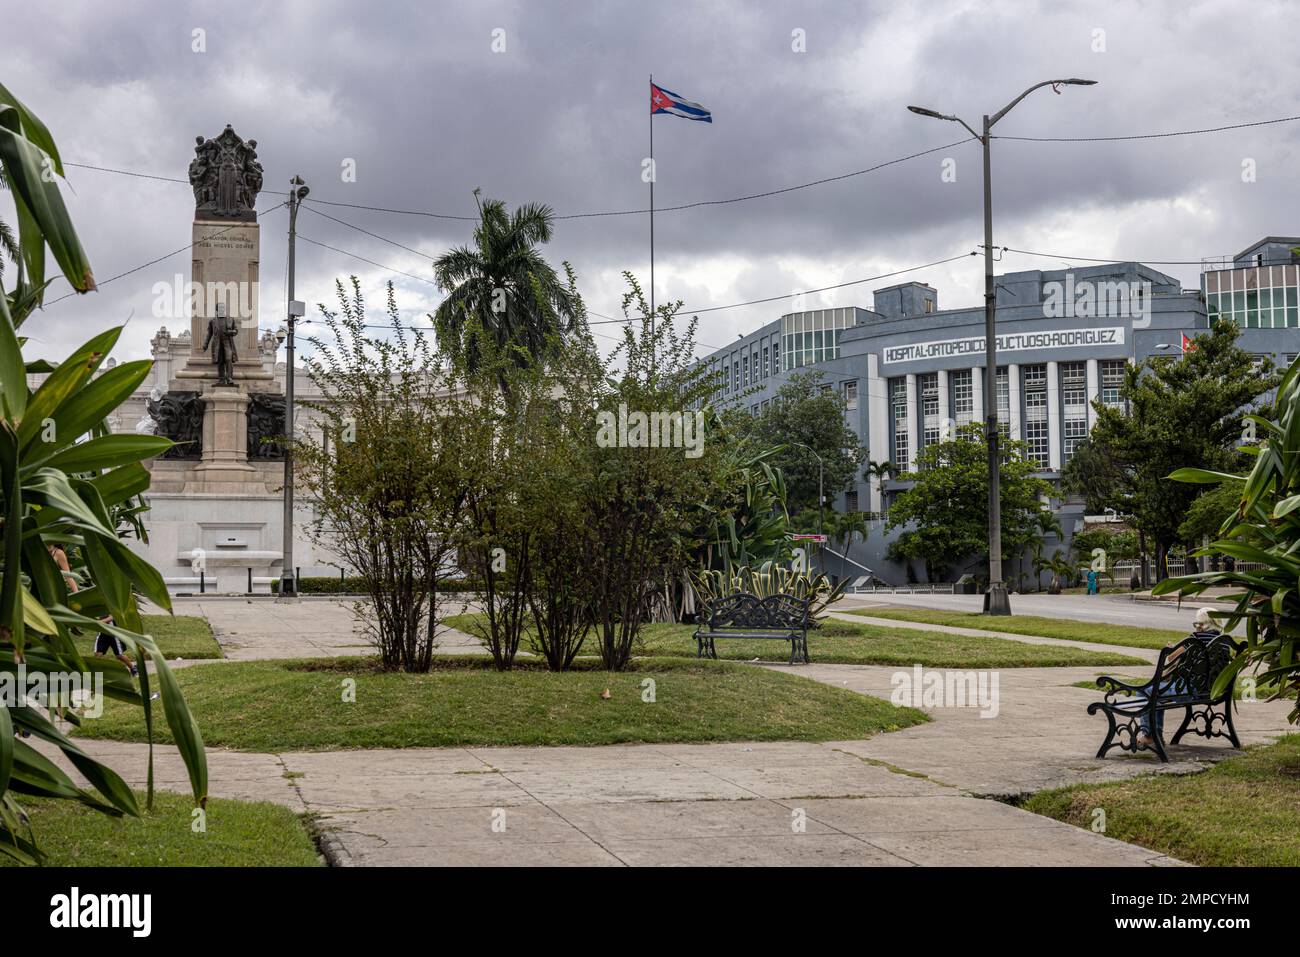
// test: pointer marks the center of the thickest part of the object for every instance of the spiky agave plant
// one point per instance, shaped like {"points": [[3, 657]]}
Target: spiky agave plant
{"points": [[766, 580]]}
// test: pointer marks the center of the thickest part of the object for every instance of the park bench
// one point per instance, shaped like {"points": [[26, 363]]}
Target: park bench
{"points": [[1184, 678], [743, 615]]}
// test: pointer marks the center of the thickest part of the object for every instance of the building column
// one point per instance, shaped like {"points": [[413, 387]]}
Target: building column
{"points": [[1094, 392], [913, 422], [878, 412], [1013, 396], [977, 394], [1053, 416], [946, 424]]}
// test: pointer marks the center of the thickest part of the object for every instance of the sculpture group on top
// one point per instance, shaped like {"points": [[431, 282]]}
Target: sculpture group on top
{"points": [[226, 177]]}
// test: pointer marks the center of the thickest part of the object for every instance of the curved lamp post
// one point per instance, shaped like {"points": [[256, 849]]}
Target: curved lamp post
{"points": [[996, 601]]}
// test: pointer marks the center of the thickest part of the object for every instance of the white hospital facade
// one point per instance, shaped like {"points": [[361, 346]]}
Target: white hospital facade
{"points": [[910, 371]]}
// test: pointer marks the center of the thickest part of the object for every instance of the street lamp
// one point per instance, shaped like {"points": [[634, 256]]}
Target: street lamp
{"points": [[996, 601], [298, 191], [821, 471]]}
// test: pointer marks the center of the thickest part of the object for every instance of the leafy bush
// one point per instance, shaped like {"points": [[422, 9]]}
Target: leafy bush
{"points": [[1265, 528], [58, 490]]}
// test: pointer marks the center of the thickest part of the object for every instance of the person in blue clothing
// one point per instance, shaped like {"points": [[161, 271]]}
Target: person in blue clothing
{"points": [[1092, 581]]}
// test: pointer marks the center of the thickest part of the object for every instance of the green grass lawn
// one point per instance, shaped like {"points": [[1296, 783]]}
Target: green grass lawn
{"points": [[178, 636], [299, 705], [238, 834], [846, 642], [1243, 812], [1099, 632]]}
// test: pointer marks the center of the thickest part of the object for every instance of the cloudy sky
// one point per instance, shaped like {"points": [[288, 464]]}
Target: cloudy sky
{"points": [[424, 101]]}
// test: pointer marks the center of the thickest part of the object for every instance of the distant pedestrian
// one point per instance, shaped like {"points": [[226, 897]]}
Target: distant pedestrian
{"points": [[106, 642], [1092, 581]]}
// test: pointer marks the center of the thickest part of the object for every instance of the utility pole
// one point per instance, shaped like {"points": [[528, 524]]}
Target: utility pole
{"points": [[288, 581], [996, 601]]}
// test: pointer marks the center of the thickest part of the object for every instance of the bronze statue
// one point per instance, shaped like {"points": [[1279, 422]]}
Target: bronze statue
{"points": [[222, 332], [226, 177]]}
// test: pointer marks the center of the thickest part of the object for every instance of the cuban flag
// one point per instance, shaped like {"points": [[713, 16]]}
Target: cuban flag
{"points": [[666, 101], [1188, 344]]}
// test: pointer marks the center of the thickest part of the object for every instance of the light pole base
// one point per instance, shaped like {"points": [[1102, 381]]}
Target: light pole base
{"points": [[996, 601]]}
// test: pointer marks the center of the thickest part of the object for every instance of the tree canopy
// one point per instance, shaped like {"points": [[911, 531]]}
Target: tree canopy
{"points": [[806, 414], [945, 513]]}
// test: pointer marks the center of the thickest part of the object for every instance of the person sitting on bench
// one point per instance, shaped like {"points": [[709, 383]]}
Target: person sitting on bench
{"points": [[1203, 628]]}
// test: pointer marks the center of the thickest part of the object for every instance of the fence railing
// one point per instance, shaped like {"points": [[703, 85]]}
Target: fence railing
{"points": [[930, 588]]}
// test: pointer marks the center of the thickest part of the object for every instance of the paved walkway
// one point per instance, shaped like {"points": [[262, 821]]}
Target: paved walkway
{"points": [[921, 796]]}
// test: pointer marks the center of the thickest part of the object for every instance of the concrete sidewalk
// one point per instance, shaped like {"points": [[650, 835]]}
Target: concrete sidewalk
{"points": [[257, 629], [717, 804], [920, 796], [910, 797]]}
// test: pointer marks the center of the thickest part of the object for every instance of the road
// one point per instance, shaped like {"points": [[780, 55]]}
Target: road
{"points": [[1114, 609]]}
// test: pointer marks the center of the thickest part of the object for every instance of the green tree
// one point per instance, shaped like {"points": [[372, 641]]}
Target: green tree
{"points": [[1178, 412], [503, 287], [944, 515], [643, 501], [878, 473], [385, 472], [807, 417]]}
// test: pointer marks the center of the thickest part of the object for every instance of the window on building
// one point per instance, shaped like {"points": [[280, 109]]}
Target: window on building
{"points": [[961, 385], [1003, 388], [1074, 406], [776, 356], [1112, 382], [928, 384], [735, 374], [1255, 297], [753, 365], [1035, 392], [898, 401], [767, 361], [851, 395], [726, 378], [812, 337], [929, 306], [851, 500]]}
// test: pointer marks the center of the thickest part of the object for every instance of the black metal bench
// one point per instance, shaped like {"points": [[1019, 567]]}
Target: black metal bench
{"points": [[1184, 678], [743, 615]]}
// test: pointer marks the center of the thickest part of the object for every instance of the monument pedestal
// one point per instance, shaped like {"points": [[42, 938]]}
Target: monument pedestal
{"points": [[225, 440]]}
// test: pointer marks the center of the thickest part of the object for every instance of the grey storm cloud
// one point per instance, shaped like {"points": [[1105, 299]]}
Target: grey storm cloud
{"points": [[415, 96]]}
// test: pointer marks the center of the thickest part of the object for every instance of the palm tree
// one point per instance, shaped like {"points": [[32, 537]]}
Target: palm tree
{"points": [[879, 472], [502, 288], [846, 526]]}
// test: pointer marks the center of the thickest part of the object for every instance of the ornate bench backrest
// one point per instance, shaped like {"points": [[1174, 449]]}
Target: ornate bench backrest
{"points": [[774, 613], [1194, 670]]}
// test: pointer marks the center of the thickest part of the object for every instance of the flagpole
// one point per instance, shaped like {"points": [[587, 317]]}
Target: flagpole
{"points": [[654, 173]]}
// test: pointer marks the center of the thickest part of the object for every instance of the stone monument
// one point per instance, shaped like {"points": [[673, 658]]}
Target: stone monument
{"points": [[216, 495]]}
